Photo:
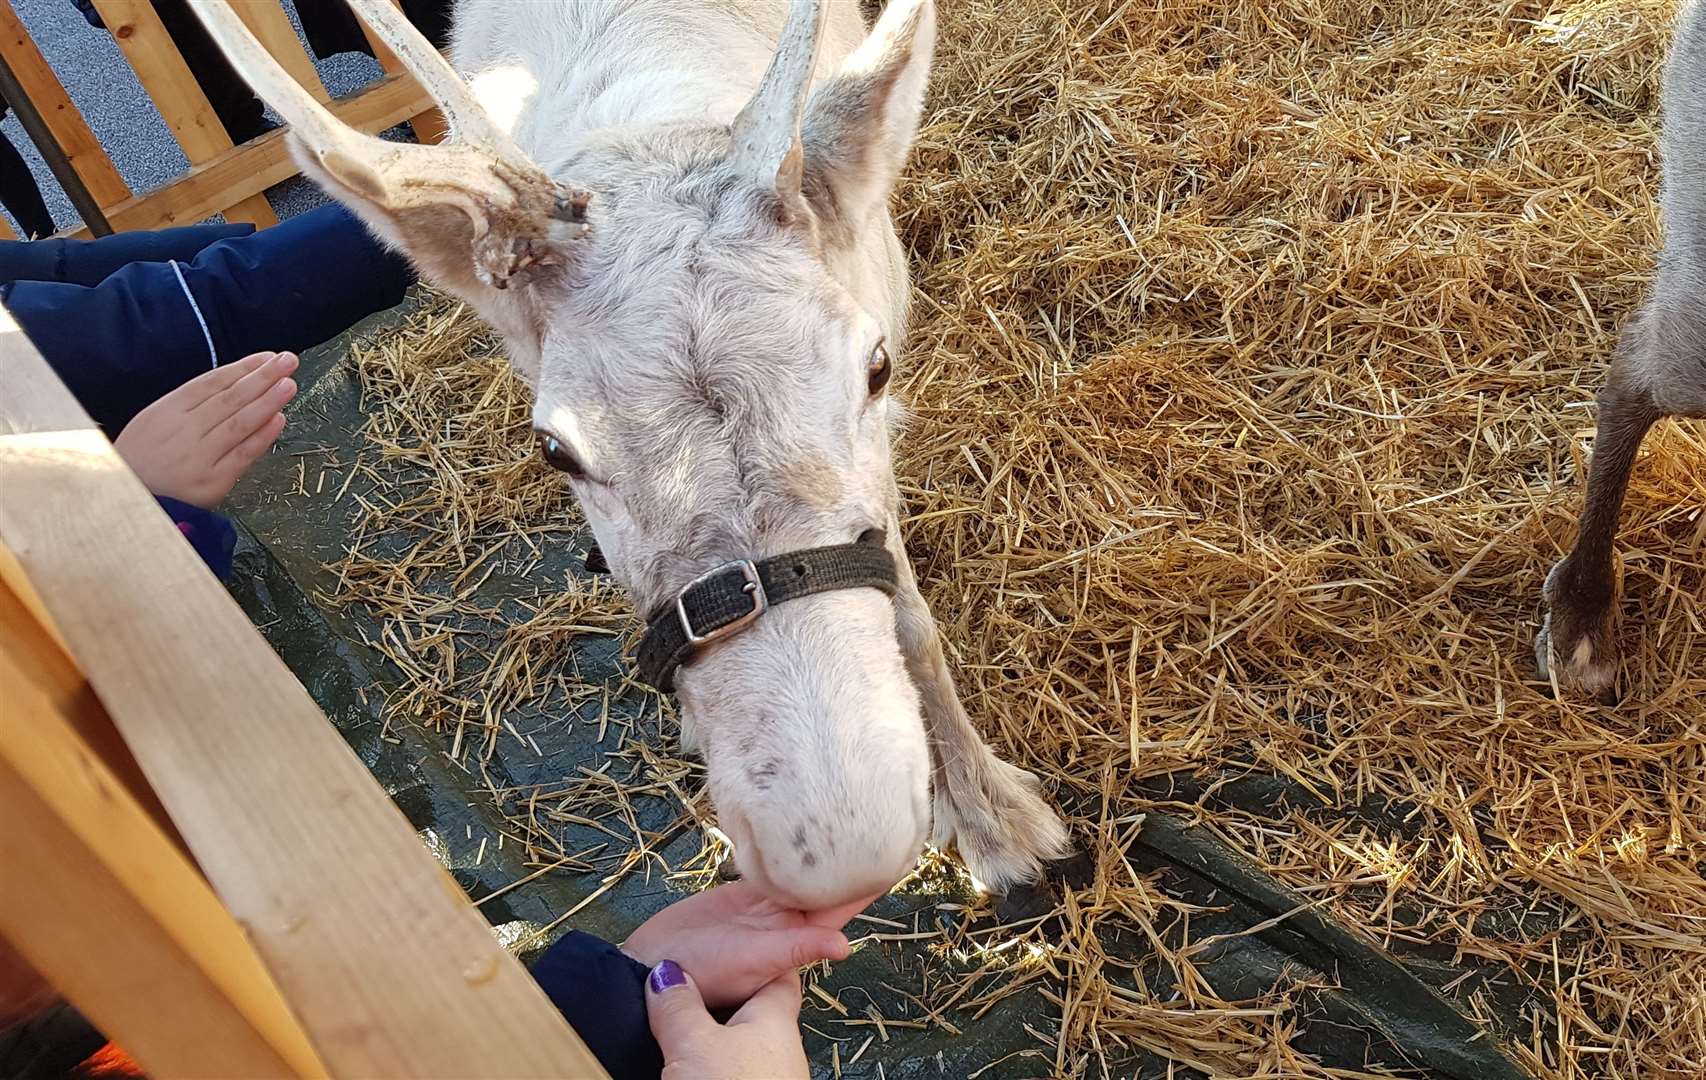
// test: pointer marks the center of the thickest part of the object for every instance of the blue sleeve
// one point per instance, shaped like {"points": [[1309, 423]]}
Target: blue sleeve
{"points": [[295, 285], [601, 992], [134, 337], [213, 537], [118, 347], [88, 262]]}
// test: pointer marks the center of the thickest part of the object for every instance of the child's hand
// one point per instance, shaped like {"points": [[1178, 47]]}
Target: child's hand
{"points": [[195, 443], [733, 941]]}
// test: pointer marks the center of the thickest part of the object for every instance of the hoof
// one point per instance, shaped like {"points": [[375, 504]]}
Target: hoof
{"points": [[1576, 648], [1580, 664]]}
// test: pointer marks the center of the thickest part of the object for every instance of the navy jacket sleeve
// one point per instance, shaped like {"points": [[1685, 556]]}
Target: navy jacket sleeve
{"points": [[118, 347], [295, 285], [213, 537], [134, 337], [88, 262], [601, 992]]}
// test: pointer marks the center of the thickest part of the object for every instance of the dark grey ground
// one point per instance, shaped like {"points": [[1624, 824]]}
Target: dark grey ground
{"points": [[104, 89], [1385, 1010]]}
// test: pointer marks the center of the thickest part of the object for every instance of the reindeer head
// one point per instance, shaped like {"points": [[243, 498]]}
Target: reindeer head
{"points": [[709, 336]]}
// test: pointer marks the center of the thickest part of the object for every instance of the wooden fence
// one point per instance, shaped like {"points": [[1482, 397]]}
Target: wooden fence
{"points": [[222, 178], [189, 851]]}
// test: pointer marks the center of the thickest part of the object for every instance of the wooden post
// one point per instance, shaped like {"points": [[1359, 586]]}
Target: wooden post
{"points": [[267, 21], [387, 967], [48, 659], [259, 163], [161, 68], [90, 162], [222, 178]]}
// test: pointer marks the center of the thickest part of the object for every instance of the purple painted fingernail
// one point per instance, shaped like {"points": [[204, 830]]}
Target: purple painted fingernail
{"points": [[666, 976]]}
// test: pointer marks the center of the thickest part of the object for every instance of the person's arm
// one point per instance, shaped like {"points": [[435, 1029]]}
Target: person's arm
{"points": [[601, 992], [89, 262], [150, 327], [296, 285], [730, 939]]}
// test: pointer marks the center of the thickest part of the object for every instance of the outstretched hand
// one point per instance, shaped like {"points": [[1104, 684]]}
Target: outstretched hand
{"points": [[196, 442], [734, 941]]}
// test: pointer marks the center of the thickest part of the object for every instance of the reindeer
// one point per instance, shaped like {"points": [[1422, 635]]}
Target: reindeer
{"points": [[676, 216], [1659, 369]]}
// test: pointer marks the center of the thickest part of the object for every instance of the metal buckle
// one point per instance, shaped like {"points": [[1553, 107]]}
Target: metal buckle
{"points": [[754, 588]]}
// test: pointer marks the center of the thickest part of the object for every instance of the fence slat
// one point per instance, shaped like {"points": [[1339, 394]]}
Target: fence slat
{"points": [[271, 26], [162, 71], [259, 163], [169, 974], [34, 404], [81, 147], [388, 967], [92, 725], [429, 126]]}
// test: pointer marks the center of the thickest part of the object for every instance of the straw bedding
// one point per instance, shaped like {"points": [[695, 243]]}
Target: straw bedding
{"points": [[1251, 381]]}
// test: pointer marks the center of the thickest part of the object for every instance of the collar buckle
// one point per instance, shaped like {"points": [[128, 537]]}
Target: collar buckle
{"points": [[751, 585]]}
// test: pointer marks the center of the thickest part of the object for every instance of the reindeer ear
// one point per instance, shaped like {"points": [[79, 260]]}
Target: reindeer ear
{"points": [[859, 125], [473, 213], [467, 219]]}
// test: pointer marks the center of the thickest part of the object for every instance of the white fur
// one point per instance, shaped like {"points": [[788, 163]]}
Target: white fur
{"points": [[708, 369], [703, 350]]}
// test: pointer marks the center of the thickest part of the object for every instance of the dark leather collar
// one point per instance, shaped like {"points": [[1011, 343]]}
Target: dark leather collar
{"points": [[731, 598]]}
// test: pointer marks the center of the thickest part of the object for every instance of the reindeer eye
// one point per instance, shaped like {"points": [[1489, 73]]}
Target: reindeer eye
{"points": [[558, 457], [877, 371]]}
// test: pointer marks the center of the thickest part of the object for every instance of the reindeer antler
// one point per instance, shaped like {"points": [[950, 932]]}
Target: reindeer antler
{"points": [[767, 131]]}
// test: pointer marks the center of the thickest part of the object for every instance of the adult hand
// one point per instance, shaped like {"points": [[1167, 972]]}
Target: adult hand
{"points": [[760, 1042], [194, 443], [733, 940]]}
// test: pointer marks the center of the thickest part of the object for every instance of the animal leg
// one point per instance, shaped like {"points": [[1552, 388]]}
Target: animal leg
{"points": [[993, 811], [1577, 639]]}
